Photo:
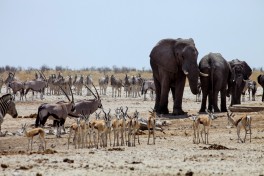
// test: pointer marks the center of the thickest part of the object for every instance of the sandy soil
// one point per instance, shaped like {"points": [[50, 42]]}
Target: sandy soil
{"points": [[173, 154]]}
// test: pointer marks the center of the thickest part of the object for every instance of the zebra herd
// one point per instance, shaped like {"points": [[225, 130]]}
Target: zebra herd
{"points": [[133, 86]]}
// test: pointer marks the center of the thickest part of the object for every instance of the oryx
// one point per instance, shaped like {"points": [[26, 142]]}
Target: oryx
{"points": [[87, 107], [57, 112], [17, 86], [37, 86]]}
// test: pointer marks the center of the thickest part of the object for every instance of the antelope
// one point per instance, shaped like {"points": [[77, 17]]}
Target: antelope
{"points": [[76, 128], [152, 124], [34, 132], [103, 127], [116, 125], [123, 125], [135, 125], [242, 122], [116, 86], [103, 83], [206, 121], [17, 86], [36, 85], [87, 107], [57, 112]]}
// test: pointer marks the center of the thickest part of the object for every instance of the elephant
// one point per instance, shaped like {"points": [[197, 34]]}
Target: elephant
{"points": [[219, 73], [240, 72], [172, 60], [261, 82]]}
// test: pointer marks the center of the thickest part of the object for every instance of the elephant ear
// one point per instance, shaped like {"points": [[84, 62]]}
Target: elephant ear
{"points": [[247, 70], [163, 55]]}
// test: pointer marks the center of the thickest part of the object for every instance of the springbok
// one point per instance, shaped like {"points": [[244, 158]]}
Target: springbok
{"points": [[241, 122], [206, 121], [34, 132]]}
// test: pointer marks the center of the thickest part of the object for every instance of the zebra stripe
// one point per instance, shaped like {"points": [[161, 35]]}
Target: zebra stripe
{"points": [[4, 103]]}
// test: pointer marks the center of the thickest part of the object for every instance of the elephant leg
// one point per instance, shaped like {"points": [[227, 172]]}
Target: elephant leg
{"points": [[158, 92], [215, 100], [163, 109], [263, 95], [210, 100], [179, 88], [223, 100], [203, 105]]}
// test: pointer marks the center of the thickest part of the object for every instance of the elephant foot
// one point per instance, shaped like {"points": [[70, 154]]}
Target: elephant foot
{"points": [[202, 110], [178, 112], [223, 109], [163, 111]]}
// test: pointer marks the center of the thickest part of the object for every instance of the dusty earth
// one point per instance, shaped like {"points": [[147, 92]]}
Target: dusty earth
{"points": [[173, 154]]}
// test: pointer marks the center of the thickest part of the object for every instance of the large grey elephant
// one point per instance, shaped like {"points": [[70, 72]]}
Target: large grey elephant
{"points": [[219, 73], [171, 61], [261, 82], [240, 73]]}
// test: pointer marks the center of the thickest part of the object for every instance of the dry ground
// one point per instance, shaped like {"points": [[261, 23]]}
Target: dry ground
{"points": [[173, 154]]}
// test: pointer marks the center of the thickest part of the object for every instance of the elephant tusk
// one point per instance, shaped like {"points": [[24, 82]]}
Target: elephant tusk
{"points": [[185, 72], [203, 74]]}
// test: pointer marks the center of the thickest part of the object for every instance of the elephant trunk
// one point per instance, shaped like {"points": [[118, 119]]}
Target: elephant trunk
{"points": [[192, 76]]}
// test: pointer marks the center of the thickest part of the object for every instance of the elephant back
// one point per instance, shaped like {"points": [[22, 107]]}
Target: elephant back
{"points": [[166, 53]]}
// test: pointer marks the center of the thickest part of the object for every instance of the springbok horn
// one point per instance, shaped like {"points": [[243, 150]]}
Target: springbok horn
{"points": [[90, 90], [64, 93], [203, 74]]}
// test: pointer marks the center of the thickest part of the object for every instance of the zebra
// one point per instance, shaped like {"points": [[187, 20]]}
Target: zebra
{"points": [[148, 85], [10, 78], [251, 86], [78, 84], [89, 82], [136, 85], [116, 86], [1, 84], [103, 83], [128, 86], [7, 106]]}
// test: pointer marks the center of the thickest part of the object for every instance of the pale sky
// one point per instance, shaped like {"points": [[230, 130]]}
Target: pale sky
{"points": [[79, 34]]}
